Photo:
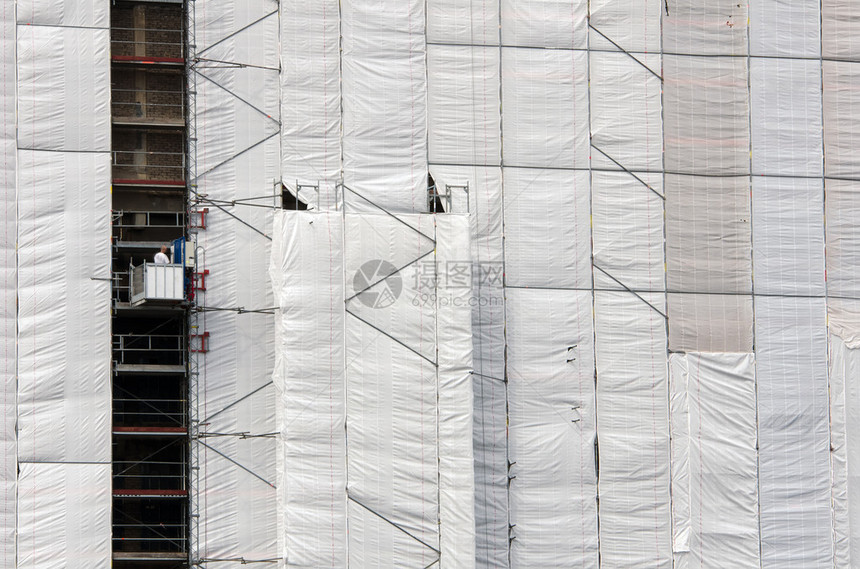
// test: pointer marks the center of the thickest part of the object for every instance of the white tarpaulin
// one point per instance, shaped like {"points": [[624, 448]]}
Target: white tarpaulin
{"points": [[237, 158], [463, 105], [843, 240], [709, 263], [841, 104], [844, 406], [71, 13], [488, 311], [464, 150], [840, 25], [525, 69], [544, 23], [64, 88], [471, 22], [547, 210], [693, 27], [843, 259], [9, 295], [307, 273], [58, 187], [545, 108], [790, 311], [391, 392], [726, 116], [794, 442], [633, 431], [310, 98], [552, 428], [626, 122], [549, 328], [706, 111], [403, 339], [841, 122], [788, 244], [64, 394], [713, 418], [785, 117], [627, 232], [627, 217], [454, 303], [782, 28], [385, 103], [63, 234], [633, 27], [706, 135], [64, 516]]}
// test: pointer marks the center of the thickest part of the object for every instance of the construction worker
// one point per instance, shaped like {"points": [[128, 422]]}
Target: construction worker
{"points": [[161, 257]]}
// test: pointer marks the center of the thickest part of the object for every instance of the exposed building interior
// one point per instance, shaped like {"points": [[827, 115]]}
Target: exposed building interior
{"points": [[150, 338]]}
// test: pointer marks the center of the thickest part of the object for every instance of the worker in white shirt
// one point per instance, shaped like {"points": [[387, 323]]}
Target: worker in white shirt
{"points": [[161, 257]]}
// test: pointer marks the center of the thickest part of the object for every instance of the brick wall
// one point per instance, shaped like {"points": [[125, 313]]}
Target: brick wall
{"points": [[163, 24], [144, 94], [122, 93], [149, 155], [165, 94]]}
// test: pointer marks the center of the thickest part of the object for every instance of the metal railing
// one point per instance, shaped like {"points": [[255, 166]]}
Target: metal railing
{"points": [[148, 165], [148, 159], [150, 538], [166, 349], [167, 105], [124, 219], [120, 287], [140, 412], [136, 283], [156, 42], [149, 475]]}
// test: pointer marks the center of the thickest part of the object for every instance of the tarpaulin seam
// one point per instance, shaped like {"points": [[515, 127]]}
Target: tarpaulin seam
{"points": [[508, 501], [651, 326], [753, 279], [824, 127], [671, 466], [325, 98], [823, 116], [595, 445], [700, 449], [412, 107], [331, 377], [11, 547], [33, 190], [488, 218]]}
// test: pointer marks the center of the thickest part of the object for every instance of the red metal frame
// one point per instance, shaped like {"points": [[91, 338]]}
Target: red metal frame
{"points": [[145, 59], [168, 430], [203, 346], [202, 225], [126, 492], [145, 182], [199, 280]]}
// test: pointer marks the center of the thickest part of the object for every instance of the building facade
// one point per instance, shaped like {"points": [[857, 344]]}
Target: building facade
{"points": [[570, 284]]}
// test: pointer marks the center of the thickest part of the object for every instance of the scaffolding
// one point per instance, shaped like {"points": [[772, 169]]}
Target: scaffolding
{"points": [[661, 283], [150, 340]]}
